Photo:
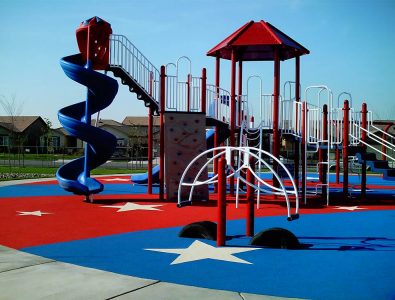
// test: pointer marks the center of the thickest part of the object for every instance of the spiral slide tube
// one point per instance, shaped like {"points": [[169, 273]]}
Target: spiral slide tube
{"points": [[75, 175]]}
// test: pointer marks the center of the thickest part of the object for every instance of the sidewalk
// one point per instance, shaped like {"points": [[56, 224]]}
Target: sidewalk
{"points": [[26, 276]]}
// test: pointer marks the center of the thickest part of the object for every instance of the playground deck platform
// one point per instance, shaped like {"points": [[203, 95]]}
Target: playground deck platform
{"points": [[125, 245]]}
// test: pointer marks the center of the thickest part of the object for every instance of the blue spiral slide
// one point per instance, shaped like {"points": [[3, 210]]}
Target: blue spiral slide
{"points": [[76, 118]]}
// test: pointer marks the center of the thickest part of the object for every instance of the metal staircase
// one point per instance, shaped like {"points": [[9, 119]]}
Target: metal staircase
{"points": [[135, 71], [369, 157]]}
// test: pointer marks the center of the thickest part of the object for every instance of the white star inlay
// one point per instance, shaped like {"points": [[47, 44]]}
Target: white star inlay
{"points": [[133, 206], [351, 208], [199, 250], [116, 179], [37, 213]]}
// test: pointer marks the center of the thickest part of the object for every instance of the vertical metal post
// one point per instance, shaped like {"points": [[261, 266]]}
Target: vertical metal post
{"points": [[216, 144], [162, 133], [203, 91], [346, 130], [303, 152], [276, 133], [189, 93], [250, 199], [232, 115], [150, 137], [216, 138], [297, 99], [337, 164], [324, 152], [221, 205], [240, 93], [363, 138], [150, 149]]}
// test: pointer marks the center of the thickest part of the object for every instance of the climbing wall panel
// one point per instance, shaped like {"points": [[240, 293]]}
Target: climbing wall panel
{"points": [[184, 140]]}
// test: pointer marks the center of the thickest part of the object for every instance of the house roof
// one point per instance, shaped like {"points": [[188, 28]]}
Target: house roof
{"points": [[60, 130], [139, 121], [105, 122], [111, 123], [258, 41], [18, 123]]}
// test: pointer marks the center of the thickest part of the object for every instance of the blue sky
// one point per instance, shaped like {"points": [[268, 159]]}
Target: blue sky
{"points": [[351, 44]]}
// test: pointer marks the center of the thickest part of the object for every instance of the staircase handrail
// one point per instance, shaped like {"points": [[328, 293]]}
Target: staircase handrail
{"points": [[134, 62], [215, 97], [371, 125], [377, 139]]}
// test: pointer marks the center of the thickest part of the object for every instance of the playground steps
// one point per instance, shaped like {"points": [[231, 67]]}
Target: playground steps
{"points": [[135, 87], [376, 165], [223, 134]]}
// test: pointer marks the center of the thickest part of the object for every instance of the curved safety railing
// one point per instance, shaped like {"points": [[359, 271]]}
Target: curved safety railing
{"points": [[247, 152]]}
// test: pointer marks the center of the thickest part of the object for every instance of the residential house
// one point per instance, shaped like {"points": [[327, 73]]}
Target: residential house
{"points": [[61, 139], [119, 130], [16, 131], [138, 133]]}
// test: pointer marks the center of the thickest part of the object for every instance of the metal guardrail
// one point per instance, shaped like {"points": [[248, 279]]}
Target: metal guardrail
{"points": [[35, 156], [181, 95], [125, 55]]}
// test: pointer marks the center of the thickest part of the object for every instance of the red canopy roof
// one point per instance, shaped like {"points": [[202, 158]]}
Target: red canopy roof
{"points": [[257, 41]]}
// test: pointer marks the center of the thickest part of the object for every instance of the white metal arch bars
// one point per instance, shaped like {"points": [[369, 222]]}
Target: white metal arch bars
{"points": [[257, 154]]}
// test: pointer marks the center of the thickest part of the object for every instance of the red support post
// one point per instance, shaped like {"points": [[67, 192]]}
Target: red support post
{"points": [[189, 93], [232, 116], [346, 130], [216, 138], [162, 133], [217, 72], [276, 133], [250, 200], [150, 136], [203, 91], [337, 153], [216, 144], [240, 93], [221, 205], [150, 150], [324, 152], [297, 99], [303, 146], [364, 126]]}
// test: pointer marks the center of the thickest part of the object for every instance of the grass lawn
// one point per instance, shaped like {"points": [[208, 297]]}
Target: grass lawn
{"points": [[12, 173]]}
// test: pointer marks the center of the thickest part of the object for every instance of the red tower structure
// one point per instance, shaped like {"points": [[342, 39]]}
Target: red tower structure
{"points": [[93, 38], [258, 41]]}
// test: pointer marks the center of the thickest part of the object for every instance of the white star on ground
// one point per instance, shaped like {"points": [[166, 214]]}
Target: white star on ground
{"points": [[116, 179], [199, 250], [351, 208], [37, 213], [133, 206]]}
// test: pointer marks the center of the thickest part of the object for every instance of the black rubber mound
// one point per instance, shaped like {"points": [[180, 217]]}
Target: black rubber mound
{"points": [[200, 230], [278, 238]]}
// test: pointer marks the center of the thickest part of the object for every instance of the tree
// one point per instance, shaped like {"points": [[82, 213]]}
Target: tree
{"points": [[48, 136], [12, 109]]}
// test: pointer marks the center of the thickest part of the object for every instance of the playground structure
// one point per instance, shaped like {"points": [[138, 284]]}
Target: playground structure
{"points": [[187, 105]]}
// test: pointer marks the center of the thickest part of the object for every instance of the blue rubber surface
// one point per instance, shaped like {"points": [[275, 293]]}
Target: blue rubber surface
{"points": [[357, 243]]}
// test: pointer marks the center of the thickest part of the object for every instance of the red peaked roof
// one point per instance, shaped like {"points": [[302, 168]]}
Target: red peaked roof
{"points": [[258, 41]]}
